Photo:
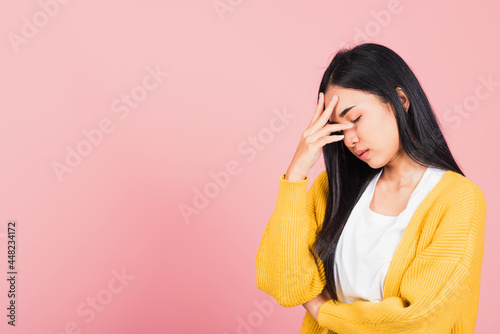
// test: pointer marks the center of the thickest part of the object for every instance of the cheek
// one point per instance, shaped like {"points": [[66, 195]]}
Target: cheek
{"points": [[391, 136], [382, 134]]}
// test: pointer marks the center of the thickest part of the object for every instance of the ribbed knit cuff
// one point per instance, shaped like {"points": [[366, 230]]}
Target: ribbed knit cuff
{"points": [[292, 197]]}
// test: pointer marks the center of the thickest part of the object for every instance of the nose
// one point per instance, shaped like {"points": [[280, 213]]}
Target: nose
{"points": [[350, 137]]}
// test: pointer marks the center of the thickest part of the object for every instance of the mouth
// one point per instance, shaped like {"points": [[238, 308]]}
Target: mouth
{"points": [[360, 154], [363, 154]]}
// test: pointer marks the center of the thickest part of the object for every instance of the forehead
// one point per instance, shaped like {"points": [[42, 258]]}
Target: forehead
{"points": [[347, 98], [347, 95]]}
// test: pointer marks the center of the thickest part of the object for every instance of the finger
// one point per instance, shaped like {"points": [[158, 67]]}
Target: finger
{"points": [[328, 111], [327, 130], [319, 108], [323, 118]]}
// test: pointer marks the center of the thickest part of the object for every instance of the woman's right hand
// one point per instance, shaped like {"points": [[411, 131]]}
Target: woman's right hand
{"points": [[317, 135]]}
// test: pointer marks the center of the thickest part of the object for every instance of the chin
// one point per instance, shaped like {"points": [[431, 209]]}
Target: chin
{"points": [[375, 165]]}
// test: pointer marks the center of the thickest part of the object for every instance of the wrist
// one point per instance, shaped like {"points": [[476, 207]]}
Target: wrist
{"points": [[294, 177], [313, 305]]}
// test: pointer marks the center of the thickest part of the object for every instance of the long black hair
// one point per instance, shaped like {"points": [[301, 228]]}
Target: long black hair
{"points": [[375, 69]]}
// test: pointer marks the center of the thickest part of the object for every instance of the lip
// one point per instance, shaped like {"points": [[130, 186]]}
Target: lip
{"points": [[362, 154], [358, 152]]}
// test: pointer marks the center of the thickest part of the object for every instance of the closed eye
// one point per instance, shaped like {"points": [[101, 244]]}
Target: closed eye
{"points": [[355, 121]]}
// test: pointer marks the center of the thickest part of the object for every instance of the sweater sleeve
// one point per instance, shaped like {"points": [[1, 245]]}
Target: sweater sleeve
{"points": [[286, 267], [438, 285]]}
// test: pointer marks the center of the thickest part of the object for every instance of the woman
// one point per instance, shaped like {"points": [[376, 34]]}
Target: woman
{"points": [[390, 237]]}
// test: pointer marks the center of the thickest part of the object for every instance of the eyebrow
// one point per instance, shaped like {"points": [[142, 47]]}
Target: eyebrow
{"points": [[344, 112]]}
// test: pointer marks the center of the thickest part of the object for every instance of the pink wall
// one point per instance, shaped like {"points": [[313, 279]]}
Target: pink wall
{"points": [[158, 96]]}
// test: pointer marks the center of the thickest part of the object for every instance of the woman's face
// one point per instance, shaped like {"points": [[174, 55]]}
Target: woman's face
{"points": [[374, 125]]}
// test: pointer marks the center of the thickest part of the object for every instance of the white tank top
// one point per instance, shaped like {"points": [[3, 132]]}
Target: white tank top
{"points": [[369, 240]]}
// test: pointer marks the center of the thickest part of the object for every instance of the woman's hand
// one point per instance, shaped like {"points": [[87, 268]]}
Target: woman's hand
{"points": [[317, 135], [313, 305]]}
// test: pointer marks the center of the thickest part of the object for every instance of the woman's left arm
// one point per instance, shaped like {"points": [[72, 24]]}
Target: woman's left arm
{"points": [[434, 290]]}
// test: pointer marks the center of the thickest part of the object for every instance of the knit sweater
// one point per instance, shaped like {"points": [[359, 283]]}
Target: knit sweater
{"points": [[432, 284], [366, 246]]}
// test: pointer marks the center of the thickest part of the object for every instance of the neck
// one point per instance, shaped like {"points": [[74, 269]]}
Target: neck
{"points": [[402, 172]]}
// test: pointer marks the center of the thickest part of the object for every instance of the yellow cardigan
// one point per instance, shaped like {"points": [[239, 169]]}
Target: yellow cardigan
{"points": [[432, 284]]}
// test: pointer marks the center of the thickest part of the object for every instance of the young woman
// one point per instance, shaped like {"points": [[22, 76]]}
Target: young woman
{"points": [[390, 237]]}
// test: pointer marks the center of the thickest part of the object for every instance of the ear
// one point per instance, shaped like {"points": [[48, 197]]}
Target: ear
{"points": [[403, 98]]}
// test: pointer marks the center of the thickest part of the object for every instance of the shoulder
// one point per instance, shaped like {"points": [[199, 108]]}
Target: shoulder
{"points": [[462, 184], [460, 190]]}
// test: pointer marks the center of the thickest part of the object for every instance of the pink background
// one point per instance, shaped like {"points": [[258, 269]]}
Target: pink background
{"points": [[223, 79]]}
